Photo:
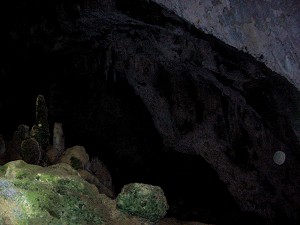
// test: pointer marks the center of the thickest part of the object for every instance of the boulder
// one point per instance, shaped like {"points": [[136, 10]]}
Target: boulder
{"points": [[94, 180], [76, 157], [31, 194], [14, 146], [98, 168], [143, 200]]}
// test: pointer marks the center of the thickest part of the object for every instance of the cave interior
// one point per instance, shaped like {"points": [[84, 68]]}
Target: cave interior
{"points": [[50, 49]]}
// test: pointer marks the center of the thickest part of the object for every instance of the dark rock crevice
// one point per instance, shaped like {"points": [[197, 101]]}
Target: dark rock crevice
{"points": [[134, 86]]}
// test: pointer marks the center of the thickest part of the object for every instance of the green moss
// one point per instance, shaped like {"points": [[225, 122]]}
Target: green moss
{"points": [[76, 163], [57, 195], [52, 195], [142, 200]]}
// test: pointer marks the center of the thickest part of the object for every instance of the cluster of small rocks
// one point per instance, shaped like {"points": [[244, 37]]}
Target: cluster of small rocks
{"points": [[68, 180], [34, 147], [57, 194]]}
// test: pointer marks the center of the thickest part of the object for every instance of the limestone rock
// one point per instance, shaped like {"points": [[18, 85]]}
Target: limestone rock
{"points": [[31, 194], [76, 157], [51, 154], [268, 30], [31, 151], [55, 150], [98, 168], [58, 139], [94, 180], [143, 200], [14, 146], [201, 97], [40, 130]]}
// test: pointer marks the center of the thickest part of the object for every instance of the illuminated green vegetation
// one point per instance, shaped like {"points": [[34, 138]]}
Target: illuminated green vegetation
{"points": [[142, 200], [57, 195], [32, 194]]}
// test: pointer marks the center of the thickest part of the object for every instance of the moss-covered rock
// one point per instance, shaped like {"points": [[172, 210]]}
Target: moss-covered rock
{"points": [[143, 200], [75, 156], [56, 195], [31, 194]]}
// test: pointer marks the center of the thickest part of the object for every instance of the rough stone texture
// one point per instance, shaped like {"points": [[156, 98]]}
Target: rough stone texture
{"points": [[31, 194], [94, 180], [54, 195], [101, 172], [31, 151], [201, 97], [267, 29], [55, 151], [75, 156], [40, 130], [143, 200], [58, 139], [14, 146], [51, 155]]}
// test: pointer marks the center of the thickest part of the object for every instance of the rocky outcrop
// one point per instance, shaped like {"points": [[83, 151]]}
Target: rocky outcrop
{"points": [[26, 146], [142, 200], [31, 194], [40, 130], [14, 148], [116, 75], [75, 156], [58, 139], [266, 29]]}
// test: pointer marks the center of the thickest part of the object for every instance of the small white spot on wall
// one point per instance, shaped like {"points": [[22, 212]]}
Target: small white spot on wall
{"points": [[279, 157]]}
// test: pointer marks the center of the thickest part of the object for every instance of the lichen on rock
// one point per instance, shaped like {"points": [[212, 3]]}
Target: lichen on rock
{"points": [[143, 200], [35, 195], [30, 194]]}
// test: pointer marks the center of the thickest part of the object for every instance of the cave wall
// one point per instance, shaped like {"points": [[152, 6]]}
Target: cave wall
{"points": [[269, 30], [95, 62]]}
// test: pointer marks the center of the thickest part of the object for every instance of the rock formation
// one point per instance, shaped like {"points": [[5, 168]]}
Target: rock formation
{"points": [[58, 139], [31, 194], [40, 130], [266, 29], [145, 201], [137, 83]]}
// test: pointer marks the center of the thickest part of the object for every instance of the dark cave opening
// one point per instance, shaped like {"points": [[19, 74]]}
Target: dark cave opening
{"points": [[134, 152], [111, 122], [121, 133]]}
